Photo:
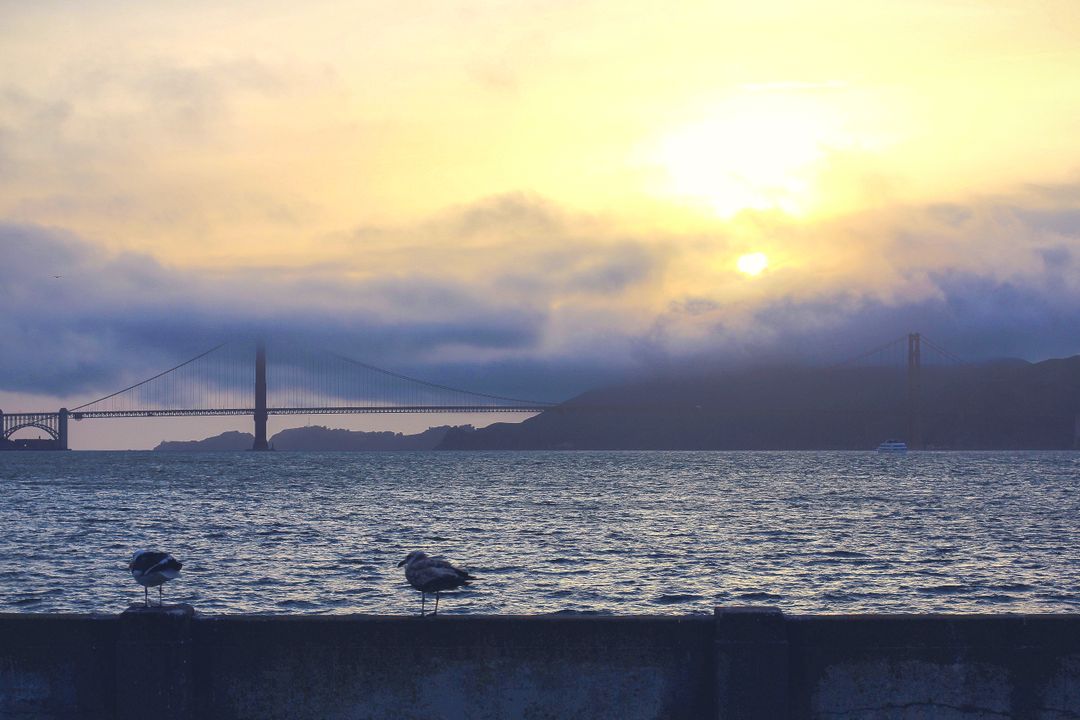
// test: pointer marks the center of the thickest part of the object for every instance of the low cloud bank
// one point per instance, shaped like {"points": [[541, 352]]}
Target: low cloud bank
{"points": [[518, 297]]}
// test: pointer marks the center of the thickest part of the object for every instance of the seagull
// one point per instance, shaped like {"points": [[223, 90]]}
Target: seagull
{"points": [[432, 575], [150, 568]]}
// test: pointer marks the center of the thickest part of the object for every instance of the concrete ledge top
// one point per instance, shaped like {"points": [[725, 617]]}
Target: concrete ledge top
{"points": [[57, 617], [922, 617], [463, 618], [823, 619]]}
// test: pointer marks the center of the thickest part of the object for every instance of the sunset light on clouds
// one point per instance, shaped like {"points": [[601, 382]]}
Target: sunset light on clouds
{"points": [[498, 190]]}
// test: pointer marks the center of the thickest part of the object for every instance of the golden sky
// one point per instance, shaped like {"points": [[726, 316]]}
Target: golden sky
{"points": [[267, 132], [598, 166]]}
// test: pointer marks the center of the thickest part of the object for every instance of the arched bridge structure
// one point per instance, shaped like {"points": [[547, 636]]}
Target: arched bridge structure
{"points": [[52, 424], [259, 379]]}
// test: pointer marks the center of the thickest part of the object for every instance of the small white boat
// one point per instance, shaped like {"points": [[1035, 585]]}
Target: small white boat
{"points": [[892, 446]]}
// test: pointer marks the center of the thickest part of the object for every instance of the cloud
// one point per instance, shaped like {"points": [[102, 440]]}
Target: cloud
{"points": [[170, 154], [974, 318], [194, 100], [991, 277], [513, 294], [111, 319]]}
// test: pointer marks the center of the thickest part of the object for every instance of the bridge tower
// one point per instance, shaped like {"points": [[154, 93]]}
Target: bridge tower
{"points": [[62, 427], [260, 397], [914, 391]]}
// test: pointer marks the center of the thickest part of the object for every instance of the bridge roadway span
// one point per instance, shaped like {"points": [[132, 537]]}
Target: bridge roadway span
{"points": [[348, 410]]}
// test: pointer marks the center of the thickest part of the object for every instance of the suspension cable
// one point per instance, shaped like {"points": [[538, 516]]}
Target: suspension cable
{"points": [[436, 386], [160, 374]]}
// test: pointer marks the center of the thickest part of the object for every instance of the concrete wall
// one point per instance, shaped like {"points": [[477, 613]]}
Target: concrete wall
{"points": [[885, 667], [741, 663], [57, 666], [455, 666]]}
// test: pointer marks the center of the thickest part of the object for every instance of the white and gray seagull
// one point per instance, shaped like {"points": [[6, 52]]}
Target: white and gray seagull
{"points": [[150, 569], [432, 575]]}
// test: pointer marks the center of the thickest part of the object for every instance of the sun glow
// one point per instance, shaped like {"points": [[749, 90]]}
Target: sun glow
{"points": [[756, 152], [752, 263]]}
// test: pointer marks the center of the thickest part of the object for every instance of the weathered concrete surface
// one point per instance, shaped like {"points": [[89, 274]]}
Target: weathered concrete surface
{"points": [[153, 663], [923, 666], [57, 666], [741, 664], [455, 667], [751, 663]]}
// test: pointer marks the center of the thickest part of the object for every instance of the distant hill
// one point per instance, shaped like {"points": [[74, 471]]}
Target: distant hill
{"points": [[324, 438], [318, 438], [1000, 405], [226, 441]]}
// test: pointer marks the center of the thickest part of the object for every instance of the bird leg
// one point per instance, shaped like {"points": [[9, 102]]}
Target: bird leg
{"points": [[146, 596], [423, 600], [159, 595], [436, 603]]}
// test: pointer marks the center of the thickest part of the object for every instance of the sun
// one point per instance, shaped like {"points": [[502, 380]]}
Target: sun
{"points": [[752, 263]]}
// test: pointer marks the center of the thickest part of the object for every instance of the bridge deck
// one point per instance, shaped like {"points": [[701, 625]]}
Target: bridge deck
{"points": [[350, 410]]}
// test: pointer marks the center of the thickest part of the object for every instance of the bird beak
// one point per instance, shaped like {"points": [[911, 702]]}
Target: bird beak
{"points": [[401, 563]]}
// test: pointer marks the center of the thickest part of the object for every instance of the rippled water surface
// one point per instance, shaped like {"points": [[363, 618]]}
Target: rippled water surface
{"points": [[620, 532]]}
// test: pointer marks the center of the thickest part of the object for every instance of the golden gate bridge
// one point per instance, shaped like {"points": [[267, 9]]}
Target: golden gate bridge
{"points": [[243, 378], [290, 380], [907, 351]]}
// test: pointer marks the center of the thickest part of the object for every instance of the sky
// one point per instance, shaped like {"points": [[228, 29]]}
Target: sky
{"points": [[529, 198]]}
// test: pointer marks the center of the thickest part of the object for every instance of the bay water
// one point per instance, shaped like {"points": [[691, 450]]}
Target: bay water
{"points": [[547, 532]]}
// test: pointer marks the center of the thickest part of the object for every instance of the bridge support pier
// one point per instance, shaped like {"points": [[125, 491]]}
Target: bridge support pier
{"points": [[260, 398]]}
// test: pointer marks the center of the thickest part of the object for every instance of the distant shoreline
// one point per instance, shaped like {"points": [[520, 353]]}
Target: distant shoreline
{"points": [[315, 438]]}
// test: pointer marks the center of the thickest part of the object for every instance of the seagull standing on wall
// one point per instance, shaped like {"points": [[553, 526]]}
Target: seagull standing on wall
{"points": [[432, 575], [152, 569]]}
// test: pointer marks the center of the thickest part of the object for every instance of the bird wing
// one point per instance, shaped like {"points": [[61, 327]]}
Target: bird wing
{"points": [[440, 563], [431, 574], [165, 564], [437, 562], [432, 579], [143, 561]]}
